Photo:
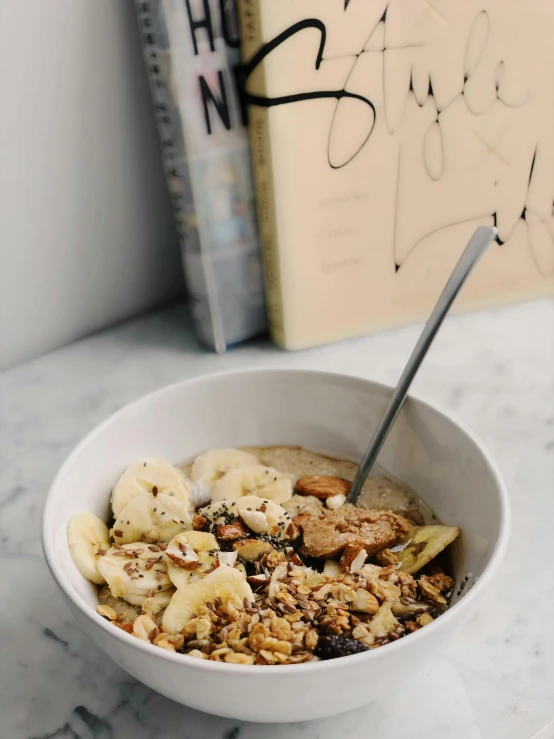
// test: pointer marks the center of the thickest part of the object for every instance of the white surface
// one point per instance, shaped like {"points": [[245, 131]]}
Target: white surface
{"points": [[496, 680], [329, 413], [86, 236]]}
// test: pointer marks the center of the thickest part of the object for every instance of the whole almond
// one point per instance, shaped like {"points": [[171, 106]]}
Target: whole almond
{"points": [[322, 486]]}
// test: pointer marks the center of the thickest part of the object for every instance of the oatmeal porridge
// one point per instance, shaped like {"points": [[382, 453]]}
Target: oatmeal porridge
{"points": [[253, 556]]}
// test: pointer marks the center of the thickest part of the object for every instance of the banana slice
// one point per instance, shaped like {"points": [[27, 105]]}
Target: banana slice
{"points": [[135, 571], [425, 543], [87, 536], [301, 504], [144, 475], [151, 518], [273, 520], [383, 622], [212, 465], [265, 482], [161, 600], [277, 577], [223, 583], [181, 563]]}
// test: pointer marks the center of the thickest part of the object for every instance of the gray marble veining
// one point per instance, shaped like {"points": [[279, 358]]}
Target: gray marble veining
{"points": [[494, 370]]}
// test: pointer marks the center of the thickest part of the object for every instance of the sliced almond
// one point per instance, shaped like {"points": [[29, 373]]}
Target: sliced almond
{"points": [[293, 532], [314, 580], [231, 531], [279, 574], [352, 558], [257, 580], [198, 522], [255, 520], [365, 602], [251, 550], [187, 559], [227, 558], [143, 627], [322, 486]]}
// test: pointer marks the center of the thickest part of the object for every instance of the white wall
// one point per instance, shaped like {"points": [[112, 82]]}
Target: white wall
{"points": [[86, 237]]}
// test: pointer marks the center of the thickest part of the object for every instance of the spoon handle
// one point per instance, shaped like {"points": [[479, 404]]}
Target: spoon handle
{"points": [[480, 240]]}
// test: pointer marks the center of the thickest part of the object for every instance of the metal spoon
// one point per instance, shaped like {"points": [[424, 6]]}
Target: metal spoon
{"points": [[480, 240]]}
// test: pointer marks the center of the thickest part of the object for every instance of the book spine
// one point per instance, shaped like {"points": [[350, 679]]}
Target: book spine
{"points": [[260, 141], [178, 177], [164, 119]]}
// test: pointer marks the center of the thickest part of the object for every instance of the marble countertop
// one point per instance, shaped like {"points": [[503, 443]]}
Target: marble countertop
{"points": [[495, 370]]}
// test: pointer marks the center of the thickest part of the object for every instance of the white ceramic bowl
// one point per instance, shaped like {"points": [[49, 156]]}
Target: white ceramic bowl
{"points": [[436, 455]]}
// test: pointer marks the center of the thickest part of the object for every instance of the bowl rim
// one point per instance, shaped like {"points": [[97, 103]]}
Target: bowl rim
{"points": [[150, 650]]}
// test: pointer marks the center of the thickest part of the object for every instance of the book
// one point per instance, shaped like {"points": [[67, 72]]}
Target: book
{"points": [[192, 54], [383, 133]]}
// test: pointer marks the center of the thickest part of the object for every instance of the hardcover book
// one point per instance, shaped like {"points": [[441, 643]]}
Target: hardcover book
{"points": [[383, 133], [192, 52]]}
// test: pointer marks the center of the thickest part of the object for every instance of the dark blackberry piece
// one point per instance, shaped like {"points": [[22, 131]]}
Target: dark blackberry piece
{"points": [[329, 647]]}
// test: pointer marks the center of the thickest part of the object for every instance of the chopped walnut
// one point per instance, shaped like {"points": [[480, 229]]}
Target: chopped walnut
{"points": [[165, 644], [151, 606], [280, 629], [278, 645], [273, 559], [342, 592], [336, 620], [386, 592], [386, 557], [311, 639], [236, 658], [407, 585], [431, 587], [203, 628], [258, 635], [441, 581]]}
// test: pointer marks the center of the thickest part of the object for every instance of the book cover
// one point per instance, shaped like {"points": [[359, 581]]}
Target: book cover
{"points": [[192, 53], [383, 133]]}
